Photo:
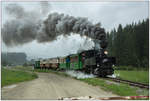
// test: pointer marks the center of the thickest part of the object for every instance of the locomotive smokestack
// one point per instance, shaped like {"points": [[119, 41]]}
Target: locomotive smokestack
{"points": [[16, 32]]}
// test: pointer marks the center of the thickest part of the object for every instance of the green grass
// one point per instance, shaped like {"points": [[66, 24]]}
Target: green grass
{"points": [[130, 68], [24, 68], [12, 76], [119, 89], [137, 76]]}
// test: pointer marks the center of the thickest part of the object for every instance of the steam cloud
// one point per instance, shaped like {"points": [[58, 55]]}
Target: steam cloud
{"points": [[15, 11], [30, 27], [79, 75]]}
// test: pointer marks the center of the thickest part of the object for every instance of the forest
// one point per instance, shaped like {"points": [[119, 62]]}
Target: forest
{"points": [[130, 44]]}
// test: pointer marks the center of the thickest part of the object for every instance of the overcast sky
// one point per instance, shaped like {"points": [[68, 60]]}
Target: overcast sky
{"points": [[109, 14]]}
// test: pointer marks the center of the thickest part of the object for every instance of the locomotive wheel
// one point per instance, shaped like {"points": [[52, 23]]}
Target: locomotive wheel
{"points": [[99, 72], [102, 75]]}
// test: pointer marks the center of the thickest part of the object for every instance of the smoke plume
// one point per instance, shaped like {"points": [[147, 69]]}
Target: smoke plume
{"points": [[29, 27], [15, 10], [79, 75], [22, 28]]}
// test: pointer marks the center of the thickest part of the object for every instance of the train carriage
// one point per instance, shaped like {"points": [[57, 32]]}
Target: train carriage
{"points": [[37, 65], [74, 62], [54, 63], [62, 62], [43, 64]]}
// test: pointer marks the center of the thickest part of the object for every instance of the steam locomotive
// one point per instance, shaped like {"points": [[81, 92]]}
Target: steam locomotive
{"points": [[90, 61]]}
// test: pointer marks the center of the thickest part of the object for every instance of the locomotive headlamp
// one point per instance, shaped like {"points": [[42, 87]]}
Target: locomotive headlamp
{"points": [[105, 52]]}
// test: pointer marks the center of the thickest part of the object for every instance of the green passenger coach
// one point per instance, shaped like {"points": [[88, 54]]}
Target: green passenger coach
{"points": [[37, 65], [62, 63], [74, 62]]}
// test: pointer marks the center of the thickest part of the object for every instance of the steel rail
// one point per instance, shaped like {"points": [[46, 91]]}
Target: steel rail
{"points": [[136, 84]]}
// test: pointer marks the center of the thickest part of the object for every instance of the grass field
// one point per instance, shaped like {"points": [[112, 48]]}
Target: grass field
{"points": [[116, 88], [24, 68], [130, 68], [137, 76], [12, 76]]}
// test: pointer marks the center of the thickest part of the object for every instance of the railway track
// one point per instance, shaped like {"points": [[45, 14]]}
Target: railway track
{"points": [[136, 84]]}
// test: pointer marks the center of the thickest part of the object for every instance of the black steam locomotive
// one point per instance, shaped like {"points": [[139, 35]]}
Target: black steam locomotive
{"points": [[97, 62]]}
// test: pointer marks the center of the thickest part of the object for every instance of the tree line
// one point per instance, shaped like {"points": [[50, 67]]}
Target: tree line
{"points": [[130, 44], [13, 58]]}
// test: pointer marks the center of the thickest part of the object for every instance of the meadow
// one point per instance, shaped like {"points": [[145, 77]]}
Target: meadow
{"points": [[133, 75], [10, 76]]}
